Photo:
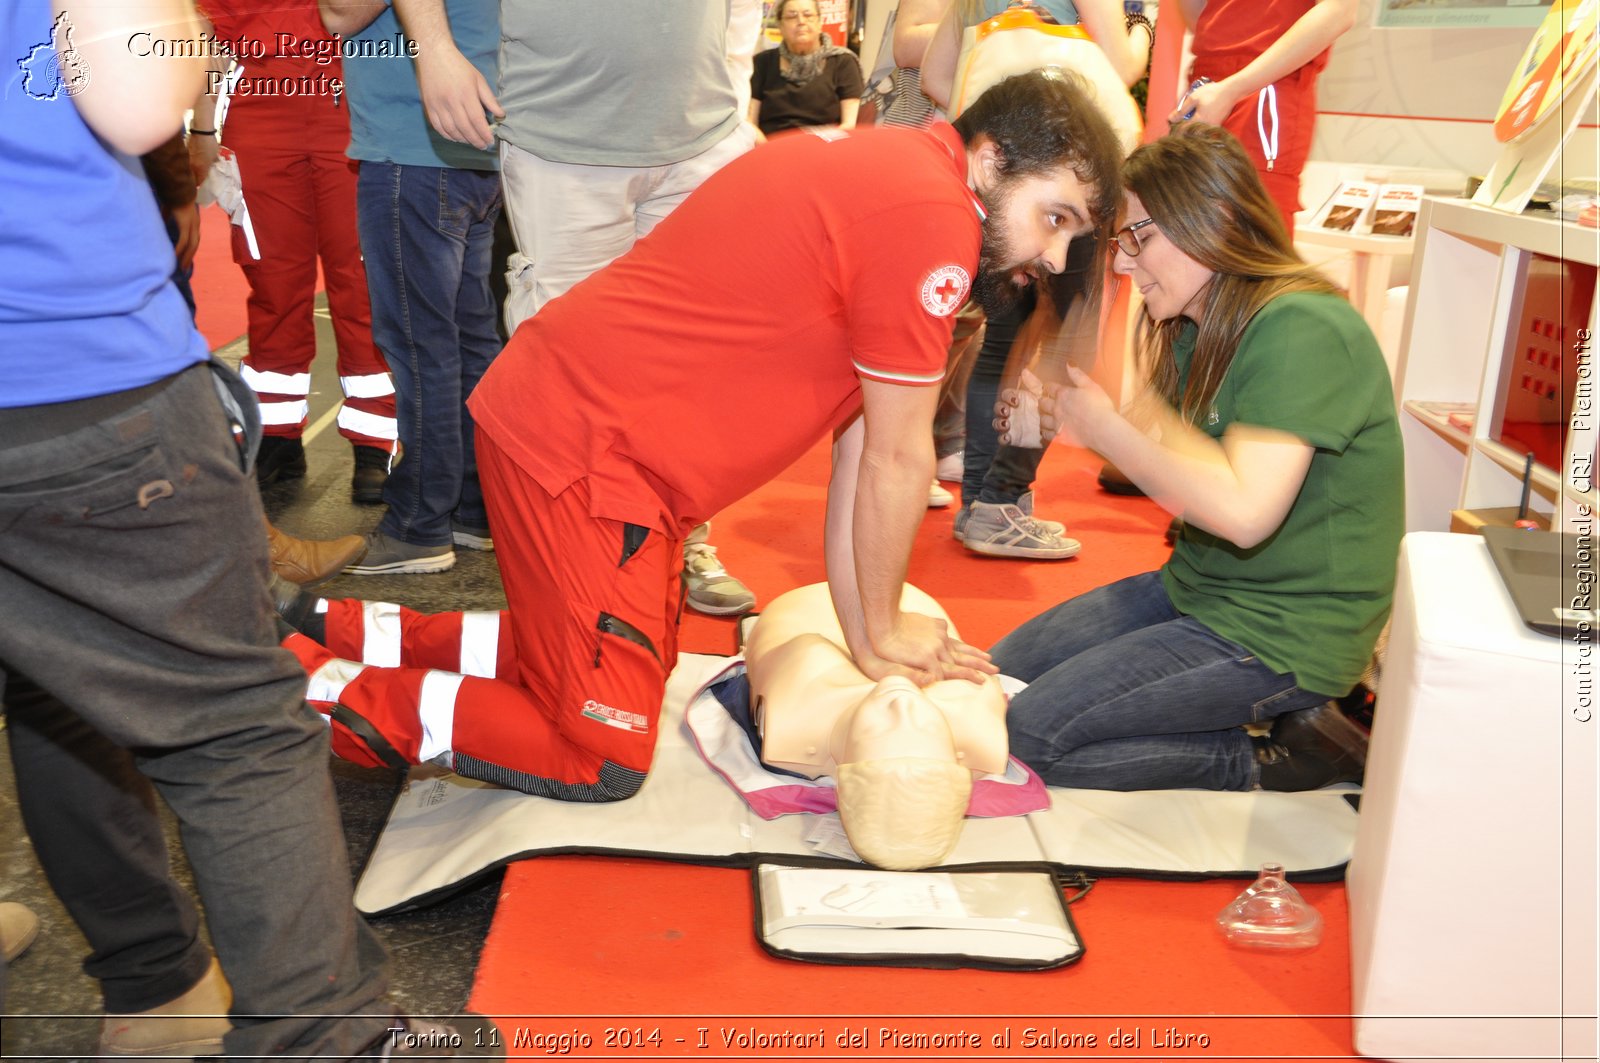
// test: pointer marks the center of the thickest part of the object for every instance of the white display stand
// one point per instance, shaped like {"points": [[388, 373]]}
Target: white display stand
{"points": [[1465, 302], [1472, 886], [1369, 265]]}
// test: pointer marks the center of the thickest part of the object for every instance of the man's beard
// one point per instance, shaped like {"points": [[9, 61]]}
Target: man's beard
{"points": [[995, 287]]}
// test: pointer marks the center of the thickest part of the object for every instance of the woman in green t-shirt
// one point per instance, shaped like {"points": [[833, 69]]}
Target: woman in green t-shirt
{"points": [[1270, 428]]}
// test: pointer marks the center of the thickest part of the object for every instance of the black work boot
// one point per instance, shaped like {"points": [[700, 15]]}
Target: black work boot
{"points": [[372, 472], [1310, 749], [279, 459]]}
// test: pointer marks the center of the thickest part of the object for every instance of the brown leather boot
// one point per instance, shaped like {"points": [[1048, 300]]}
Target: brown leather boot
{"points": [[308, 561]]}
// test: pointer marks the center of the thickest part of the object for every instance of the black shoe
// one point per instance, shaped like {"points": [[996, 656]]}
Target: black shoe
{"points": [[465, 1036], [297, 607], [1310, 749], [1112, 481], [279, 459], [372, 472]]}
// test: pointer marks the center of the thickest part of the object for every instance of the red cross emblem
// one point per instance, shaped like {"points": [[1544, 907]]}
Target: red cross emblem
{"points": [[944, 290]]}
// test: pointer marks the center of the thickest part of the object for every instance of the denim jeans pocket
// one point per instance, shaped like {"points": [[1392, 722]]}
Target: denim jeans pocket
{"points": [[455, 213], [1290, 699]]}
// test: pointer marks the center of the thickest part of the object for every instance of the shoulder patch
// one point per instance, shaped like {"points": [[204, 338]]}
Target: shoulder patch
{"points": [[945, 290]]}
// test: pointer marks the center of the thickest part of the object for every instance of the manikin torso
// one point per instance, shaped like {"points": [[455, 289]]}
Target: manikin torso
{"points": [[817, 710]]}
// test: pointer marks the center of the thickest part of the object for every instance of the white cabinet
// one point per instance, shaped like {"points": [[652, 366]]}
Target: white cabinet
{"points": [[1497, 335]]}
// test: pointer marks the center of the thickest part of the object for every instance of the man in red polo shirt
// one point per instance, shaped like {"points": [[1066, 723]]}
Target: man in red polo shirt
{"points": [[815, 281]]}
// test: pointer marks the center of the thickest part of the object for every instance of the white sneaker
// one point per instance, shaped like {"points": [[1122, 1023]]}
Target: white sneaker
{"points": [[998, 530], [938, 497], [951, 466]]}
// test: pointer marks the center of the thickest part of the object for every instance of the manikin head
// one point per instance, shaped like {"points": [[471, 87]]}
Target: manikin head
{"points": [[902, 789]]}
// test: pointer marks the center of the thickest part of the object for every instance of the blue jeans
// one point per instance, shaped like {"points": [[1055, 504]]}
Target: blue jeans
{"points": [[1126, 693], [426, 234], [994, 472]]}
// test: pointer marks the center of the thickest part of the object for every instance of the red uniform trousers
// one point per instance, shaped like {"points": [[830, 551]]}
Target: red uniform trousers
{"points": [[562, 696], [1297, 115], [301, 192]]}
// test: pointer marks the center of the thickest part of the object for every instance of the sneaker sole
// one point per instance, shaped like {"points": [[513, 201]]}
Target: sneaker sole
{"points": [[719, 610], [473, 542], [1033, 552], [418, 565]]}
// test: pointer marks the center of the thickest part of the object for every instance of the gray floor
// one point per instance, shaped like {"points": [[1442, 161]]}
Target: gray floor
{"points": [[52, 1009]]}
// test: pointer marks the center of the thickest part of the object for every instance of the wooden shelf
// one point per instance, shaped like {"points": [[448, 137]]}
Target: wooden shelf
{"points": [[1440, 423]]}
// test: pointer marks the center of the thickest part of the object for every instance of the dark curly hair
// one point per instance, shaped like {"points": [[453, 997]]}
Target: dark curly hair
{"points": [[1047, 119]]}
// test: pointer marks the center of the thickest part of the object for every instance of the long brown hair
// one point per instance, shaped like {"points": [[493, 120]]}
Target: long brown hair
{"points": [[1202, 190]]}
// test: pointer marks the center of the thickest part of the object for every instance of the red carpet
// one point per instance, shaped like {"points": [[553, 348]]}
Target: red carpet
{"points": [[583, 945]]}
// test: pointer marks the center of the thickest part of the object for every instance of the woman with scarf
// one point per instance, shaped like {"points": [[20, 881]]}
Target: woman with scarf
{"points": [[807, 80]]}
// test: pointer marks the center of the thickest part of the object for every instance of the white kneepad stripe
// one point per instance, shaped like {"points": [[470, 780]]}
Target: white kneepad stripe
{"points": [[480, 643]]}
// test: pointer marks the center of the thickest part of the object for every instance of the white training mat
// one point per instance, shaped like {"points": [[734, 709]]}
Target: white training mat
{"points": [[445, 830]]}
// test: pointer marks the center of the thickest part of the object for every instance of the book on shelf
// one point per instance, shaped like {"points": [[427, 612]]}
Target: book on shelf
{"points": [[1394, 211], [1347, 209], [918, 918]]}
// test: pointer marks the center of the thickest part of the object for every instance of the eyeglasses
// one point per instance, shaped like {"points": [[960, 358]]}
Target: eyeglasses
{"points": [[801, 16], [1127, 239]]}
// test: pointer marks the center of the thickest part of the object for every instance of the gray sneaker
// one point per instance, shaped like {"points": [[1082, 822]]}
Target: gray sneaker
{"points": [[1025, 503], [389, 556], [710, 589], [958, 527], [998, 530], [472, 538]]}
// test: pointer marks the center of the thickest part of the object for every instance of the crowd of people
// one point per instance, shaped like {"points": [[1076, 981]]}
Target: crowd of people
{"points": [[151, 642]]}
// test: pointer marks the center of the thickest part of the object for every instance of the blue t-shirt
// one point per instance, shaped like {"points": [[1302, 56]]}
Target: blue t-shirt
{"points": [[387, 123], [87, 304]]}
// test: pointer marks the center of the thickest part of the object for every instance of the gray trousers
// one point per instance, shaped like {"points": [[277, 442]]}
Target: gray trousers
{"points": [[133, 600]]}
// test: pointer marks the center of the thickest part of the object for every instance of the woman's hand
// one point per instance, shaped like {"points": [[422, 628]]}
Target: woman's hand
{"points": [[1210, 103], [1075, 409], [921, 648]]}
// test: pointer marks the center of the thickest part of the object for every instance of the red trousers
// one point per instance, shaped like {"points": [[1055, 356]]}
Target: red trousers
{"points": [[559, 695], [1296, 99], [301, 192]]}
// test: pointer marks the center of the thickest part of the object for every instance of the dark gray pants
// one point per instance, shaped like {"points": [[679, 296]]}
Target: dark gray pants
{"points": [[133, 596]]}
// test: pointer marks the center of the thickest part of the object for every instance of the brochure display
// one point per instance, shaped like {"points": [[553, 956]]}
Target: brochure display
{"points": [[1551, 92]]}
